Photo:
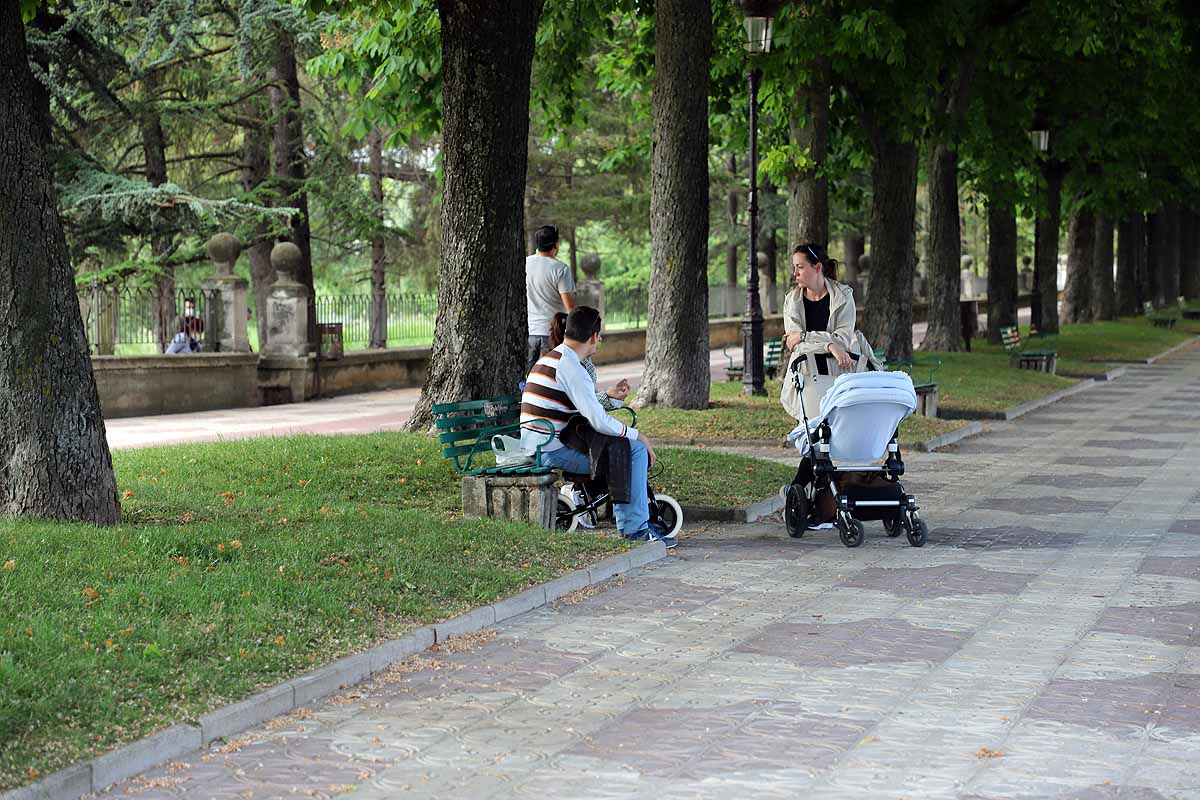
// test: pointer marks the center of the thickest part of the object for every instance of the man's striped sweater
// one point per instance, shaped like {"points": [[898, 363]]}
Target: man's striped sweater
{"points": [[558, 388]]}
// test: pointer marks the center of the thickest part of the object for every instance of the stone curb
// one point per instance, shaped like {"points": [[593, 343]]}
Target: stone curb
{"points": [[166, 745], [751, 513], [949, 437], [1169, 351], [1024, 408], [1110, 375]]}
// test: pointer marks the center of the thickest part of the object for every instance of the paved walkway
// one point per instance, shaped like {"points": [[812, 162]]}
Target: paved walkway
{"points": [[1045, 643]]}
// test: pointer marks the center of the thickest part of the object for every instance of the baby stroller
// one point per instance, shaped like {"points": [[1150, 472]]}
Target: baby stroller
{"points": [[840, 453]]}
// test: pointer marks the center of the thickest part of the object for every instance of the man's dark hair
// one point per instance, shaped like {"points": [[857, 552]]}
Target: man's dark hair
{"points": [[546, 237], [582, 323], [191, 300]]}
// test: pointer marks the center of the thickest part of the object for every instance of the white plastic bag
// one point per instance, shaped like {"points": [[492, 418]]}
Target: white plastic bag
{"points": [[509, 452]]}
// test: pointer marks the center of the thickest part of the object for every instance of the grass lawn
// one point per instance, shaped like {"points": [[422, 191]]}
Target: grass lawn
{"points": [[1090, 348], [240, 564], [983, 381], [702, 477], [732, 415]]}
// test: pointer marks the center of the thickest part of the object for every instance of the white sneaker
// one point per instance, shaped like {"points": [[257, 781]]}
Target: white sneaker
{"points": [[587, 520]]}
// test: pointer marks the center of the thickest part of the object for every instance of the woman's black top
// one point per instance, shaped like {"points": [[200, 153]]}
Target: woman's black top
{"points": [[816, 313]]}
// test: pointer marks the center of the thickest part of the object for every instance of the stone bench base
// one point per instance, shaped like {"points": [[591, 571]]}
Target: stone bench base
{"points": [[528, 498], [927, 399], [1041, 362]]}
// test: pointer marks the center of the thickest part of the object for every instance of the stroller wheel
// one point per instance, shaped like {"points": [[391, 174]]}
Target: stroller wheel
{"points": [[918, 532], [851, 531], [795, 510], [666, 511], [565, 518], [892, 527]]}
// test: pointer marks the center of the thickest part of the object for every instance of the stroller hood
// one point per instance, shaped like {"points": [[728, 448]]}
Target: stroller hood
{"points": [[863, 410], [856, 388]]}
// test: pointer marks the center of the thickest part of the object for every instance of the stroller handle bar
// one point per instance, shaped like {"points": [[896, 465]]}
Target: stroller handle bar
{"points": [[804, 357]]}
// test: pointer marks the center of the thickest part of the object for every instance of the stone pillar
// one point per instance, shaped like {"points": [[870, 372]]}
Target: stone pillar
{"points": [[227, 298], [590, 291], [768, 295], [529, 498], [287, 305]]}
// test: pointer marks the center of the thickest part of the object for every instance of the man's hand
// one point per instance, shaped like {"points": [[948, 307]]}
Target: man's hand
{"points": [[620, 391], [649, 450], [843, 358], [793, 339]]}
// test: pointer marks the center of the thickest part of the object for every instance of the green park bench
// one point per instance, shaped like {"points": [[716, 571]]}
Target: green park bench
{"points": [[1040, 360], [1157, 320], [772, 358], [927, 391], [524, 490], [1184, 311]]}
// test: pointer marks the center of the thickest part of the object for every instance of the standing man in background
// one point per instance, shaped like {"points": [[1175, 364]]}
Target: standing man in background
{"points": [[549, 289]]}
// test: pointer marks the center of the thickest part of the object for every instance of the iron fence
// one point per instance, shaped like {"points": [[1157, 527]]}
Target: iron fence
{"points": [[137, 321]]}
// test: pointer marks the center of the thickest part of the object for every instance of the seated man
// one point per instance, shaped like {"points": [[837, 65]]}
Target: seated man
{"points": [[558, 388]]}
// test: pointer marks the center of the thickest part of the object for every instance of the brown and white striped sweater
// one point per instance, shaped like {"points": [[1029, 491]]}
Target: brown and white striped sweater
{"points": [[558, 388]]}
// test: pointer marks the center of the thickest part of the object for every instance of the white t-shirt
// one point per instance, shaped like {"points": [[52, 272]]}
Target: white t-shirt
{"points": [[545, 279]]}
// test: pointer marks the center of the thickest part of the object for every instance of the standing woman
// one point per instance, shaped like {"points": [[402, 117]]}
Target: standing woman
{"points": [[818, 314]]}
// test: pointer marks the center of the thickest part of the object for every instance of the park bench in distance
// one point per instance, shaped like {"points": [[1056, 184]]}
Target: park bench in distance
{"points": [[522, 491], [1040, 360], [772, 355], [1184, 311], [927, 392], [1157, 320]]}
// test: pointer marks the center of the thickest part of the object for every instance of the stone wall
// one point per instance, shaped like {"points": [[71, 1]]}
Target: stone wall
{"points": [[161, 384], [139, 385]]}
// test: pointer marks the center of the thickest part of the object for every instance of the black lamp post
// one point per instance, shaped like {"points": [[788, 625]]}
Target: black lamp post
{"points": [[759, 19], [1040, 139]]}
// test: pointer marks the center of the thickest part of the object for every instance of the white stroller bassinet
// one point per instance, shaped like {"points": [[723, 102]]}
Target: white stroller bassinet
{"points": [[842, 448]]}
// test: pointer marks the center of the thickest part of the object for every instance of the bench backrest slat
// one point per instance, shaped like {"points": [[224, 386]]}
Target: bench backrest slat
{"points": [[1010, 337]]}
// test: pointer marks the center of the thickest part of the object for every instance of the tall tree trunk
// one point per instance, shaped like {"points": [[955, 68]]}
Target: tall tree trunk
{"points": [[1104, 299], [808, 191], [1156, 245], [736, 230], [479, 336], [1189, 255], [888, 323], [1170, 268], [853, 246], [944, 248], [771, 250], [1081, 258], [289, 161], [1131, 237], [574, 256], [54, 458], [1045, 262], [378, 316], [154, 147], [1001, 268], [677, 371], [256, 167]]}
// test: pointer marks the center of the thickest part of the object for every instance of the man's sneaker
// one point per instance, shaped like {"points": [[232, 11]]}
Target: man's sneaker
{"points": [[651, 533]]}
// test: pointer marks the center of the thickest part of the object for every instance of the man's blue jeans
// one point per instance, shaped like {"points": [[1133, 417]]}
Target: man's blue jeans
{"points": [[632, 516]]}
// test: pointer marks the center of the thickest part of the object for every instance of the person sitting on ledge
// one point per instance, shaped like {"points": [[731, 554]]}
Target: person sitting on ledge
{"points": [[183, 341]]}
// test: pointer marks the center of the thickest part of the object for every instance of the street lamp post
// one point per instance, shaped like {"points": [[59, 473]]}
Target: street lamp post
{"points": [[759, 18], [1040, 139]]}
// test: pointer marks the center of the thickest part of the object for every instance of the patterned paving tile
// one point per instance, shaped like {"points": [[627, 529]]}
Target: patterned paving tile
{"points": [[1177, 624], [1047, 505], [1170, 702], [1131, 462], [1004, 537], [1140, 443], [951, 580], [1186, 525], [666, 594], [872, 641], [1171, 567], [1085, 480]]}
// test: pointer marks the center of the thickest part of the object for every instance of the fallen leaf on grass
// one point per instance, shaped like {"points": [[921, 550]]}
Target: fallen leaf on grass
{"points": [[10, 564], [128, 493]]}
